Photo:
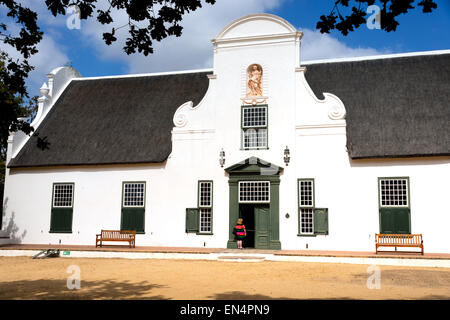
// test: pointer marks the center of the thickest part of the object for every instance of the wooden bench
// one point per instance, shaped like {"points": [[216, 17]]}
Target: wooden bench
{"points": [[398, 240], [116, 235]]}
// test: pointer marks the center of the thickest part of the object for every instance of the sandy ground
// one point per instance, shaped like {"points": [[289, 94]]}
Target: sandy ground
{"points": [[25, 278]]}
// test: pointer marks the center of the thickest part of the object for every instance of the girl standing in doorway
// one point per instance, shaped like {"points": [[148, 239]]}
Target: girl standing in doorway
{"points": [[240, 232]]}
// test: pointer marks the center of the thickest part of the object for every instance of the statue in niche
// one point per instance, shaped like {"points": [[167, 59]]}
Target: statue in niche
{"points": [[255, 73]]}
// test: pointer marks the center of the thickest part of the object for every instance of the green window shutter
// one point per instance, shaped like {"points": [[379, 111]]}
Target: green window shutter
{"points": [[61, 220], [395, 220], [321, 221], [192, 216], [133, 219]]}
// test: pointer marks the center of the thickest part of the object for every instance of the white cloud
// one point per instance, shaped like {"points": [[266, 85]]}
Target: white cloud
{"points": [[194, 50], [50, 55], [316, 45], [191, 51]]}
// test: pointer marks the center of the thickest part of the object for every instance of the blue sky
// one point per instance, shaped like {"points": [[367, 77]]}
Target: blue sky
{"points": [[87, 52], [417, 31]]}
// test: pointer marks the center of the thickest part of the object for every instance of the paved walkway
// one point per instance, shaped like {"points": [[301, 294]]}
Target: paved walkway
{"points": [[188, 250]]}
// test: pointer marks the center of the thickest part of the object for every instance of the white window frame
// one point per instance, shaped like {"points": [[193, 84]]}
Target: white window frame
{"points": [[205, 208], [201, 196], [390, 205], [304, 224], [256, 128], [254, 201], [124, 205], [205, 222], [304, 208], [300, 193], [254, 125], [72, 186]]}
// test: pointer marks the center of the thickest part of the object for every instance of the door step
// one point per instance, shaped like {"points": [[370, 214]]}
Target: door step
{"points": [[241, 258]]}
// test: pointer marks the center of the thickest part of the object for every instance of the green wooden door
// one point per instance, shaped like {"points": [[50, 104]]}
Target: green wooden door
{"points": [[395, 220], [262, 231]]}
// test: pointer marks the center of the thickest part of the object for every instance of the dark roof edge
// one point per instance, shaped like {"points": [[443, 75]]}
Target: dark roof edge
{"points": [[85, 164], [143, 75], [446, 154], [377, 57]]}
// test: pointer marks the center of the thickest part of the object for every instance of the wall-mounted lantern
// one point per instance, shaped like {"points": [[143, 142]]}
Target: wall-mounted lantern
{"points": [[222, 158], [287, 157]]}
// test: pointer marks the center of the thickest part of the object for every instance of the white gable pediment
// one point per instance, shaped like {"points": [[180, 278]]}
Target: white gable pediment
{"points": [[256, 25]]}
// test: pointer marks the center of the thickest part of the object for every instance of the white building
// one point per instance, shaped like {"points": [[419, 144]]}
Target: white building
{"points": [[180, 156]]}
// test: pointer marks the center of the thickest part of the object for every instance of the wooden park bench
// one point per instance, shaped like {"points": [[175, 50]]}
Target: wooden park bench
{"points": [[116, 235], [398, 240]]}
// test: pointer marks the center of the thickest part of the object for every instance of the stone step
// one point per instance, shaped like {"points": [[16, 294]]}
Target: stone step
{"points": [[241, 258]]}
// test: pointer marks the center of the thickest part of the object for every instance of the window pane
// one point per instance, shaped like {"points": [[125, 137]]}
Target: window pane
{"points": [[133, 194], [254, 191], [254, 117], [205, 199], [306, 221], [62, 195], [254, 127], [306, 193], [394, 192], [255, 138], [205, 220]]}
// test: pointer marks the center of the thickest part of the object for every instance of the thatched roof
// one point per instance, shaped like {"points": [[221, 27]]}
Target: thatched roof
{"points": [[396, 107], [113, 121]]}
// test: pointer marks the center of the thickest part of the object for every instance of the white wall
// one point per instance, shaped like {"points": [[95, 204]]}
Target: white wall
{"points": [[314, 131]]}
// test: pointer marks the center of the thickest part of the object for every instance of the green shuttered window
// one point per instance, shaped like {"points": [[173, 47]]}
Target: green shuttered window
{"points": [[205, 204], [133, 207], [200, 220], [394, 205], [62, 208], [312, 221]]}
